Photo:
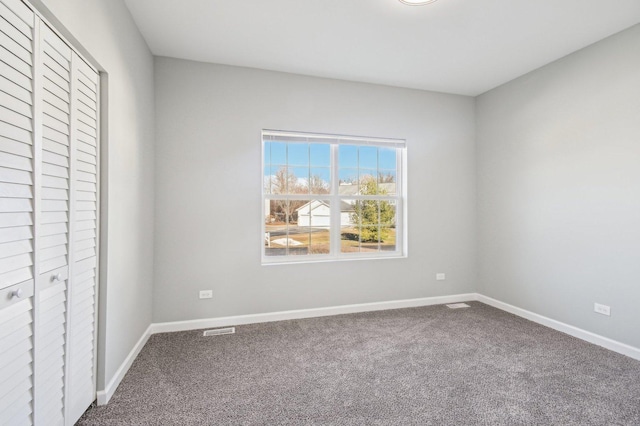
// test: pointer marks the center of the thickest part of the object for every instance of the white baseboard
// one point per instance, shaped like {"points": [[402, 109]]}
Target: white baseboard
{"points": [[105, 395], [588, 336], [165, 327]]}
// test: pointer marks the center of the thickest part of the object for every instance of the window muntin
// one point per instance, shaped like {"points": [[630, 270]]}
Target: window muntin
{"points": [[331, 197]]}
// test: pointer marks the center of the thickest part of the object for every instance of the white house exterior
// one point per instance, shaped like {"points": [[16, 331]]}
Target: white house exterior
{"points": [[317, 214]]}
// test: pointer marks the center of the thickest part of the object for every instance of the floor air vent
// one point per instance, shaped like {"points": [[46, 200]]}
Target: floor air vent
{"points": [[458, 305], [219, 331]]}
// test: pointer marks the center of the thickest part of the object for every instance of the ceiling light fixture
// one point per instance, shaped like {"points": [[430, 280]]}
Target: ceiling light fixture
{"points": [[416, 2]]}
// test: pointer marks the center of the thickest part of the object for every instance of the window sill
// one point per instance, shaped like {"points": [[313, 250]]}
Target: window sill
{"points": [[329, 259]]}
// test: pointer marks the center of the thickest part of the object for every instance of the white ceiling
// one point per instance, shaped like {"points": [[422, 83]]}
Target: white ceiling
{"points": [[455, 46]]}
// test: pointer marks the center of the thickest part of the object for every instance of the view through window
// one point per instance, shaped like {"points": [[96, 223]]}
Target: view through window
{"points": [[329, 196]]}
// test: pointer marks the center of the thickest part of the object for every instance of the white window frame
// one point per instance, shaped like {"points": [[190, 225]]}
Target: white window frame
{"points": [[400, 198]]}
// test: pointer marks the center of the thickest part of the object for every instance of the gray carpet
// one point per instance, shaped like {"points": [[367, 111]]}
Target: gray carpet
{"points": [[418, 366]]}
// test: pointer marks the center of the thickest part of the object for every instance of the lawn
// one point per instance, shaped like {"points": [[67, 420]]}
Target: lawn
{"points": [[318, 241]]}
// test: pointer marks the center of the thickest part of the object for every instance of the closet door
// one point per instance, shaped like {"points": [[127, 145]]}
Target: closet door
{"points": [[52, 222], [16, 212], [83, 250], [48, 223]]}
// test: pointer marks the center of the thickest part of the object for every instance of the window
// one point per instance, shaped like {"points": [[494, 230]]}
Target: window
{"points": [[330, 197]]}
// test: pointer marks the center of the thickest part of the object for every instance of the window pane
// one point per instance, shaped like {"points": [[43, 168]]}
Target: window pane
{"points": [[266, 161], [299, 182], [275, 235], [348, 156], [368, 157], [298, 154], [349, 229], [297, 227], [266, 180], [319, 216], [368, 183], [367, 226], [387, 182], [283, 180], [369, 238], [387, 239], [320, 181], [320, 154], [349, 176], [388, 213], [278, 155], [387, 158]]}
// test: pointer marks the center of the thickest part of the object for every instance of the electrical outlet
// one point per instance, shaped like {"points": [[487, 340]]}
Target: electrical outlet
{"points": [[206, 294], [440, 276], [602, 309]]}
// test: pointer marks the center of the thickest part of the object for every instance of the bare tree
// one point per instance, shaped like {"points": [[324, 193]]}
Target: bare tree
{"points": [[318, 186], [386, 177], [286, 182]]}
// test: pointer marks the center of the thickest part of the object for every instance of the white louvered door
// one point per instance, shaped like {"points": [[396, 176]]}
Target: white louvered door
{"points": [[48, 223], [84, 260], [52, 224], [16, 213]]}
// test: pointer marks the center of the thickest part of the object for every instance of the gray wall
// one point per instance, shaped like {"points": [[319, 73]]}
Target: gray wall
{"points": [[107, 31], [559, 189], [208, 186]]}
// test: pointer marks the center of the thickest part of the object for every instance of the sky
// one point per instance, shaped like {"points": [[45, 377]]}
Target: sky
{"points": [[315, 158]]}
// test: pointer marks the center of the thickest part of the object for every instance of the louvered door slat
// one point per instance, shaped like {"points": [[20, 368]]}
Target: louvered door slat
{"points": [[16, 57], [11, 147], [20, 394], [15, 248], [56, 171], [16, 104], [15, 176], [17, 344], [55, 101], [16, 42], [14, 263], [55, 147], [9, 220], [20, 415], [54, 217], [55, 182], [15, 76], [12, 89], [20, 38]]}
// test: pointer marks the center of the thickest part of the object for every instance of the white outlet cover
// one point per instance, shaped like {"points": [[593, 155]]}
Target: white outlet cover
{"points": [[206, 294], [602, 309], [440, 276]]}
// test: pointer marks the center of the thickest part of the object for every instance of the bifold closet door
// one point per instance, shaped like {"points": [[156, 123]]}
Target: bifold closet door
{"points": [[53, 140], [48, 223], [81, 363], [16, 212]]}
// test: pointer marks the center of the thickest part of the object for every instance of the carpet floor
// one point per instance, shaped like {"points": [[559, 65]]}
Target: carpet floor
{"points": [[419, 366]]}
